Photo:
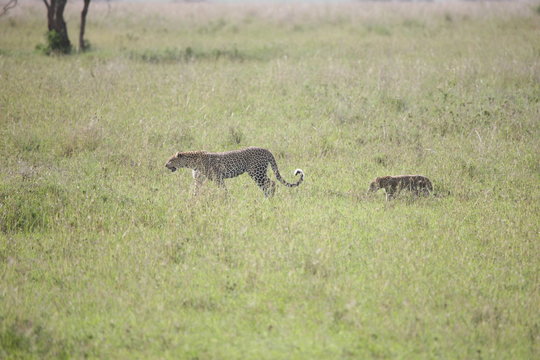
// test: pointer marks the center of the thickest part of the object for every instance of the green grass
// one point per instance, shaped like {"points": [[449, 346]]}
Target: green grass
{"points": [[105, 254]]}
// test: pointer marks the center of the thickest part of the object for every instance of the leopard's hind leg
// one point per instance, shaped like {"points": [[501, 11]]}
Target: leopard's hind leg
{"points": [[267, 186]]}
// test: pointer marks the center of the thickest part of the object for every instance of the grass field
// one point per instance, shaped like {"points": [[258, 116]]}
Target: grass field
{"points": [[106, 254]]}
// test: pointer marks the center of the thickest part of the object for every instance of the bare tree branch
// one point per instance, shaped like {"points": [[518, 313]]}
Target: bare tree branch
{"points": [[10, 5], [46, 4], [82, 44]]}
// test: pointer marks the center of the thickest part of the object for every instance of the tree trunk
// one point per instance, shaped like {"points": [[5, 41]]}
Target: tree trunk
{"points": [[82, 44], [58, 36]]}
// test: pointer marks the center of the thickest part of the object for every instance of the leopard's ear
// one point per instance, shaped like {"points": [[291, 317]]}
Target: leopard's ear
{"points": [[178, 154]]}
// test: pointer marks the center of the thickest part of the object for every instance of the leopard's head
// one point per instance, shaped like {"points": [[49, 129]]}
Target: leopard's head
{"points": [[176, 161], [375, 185]]}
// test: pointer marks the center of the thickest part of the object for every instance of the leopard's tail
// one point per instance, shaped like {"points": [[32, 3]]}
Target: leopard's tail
{"points": [[274, 166]]}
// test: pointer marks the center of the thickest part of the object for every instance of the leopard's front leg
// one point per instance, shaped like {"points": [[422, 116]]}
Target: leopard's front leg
{"points": [[199, 179]]}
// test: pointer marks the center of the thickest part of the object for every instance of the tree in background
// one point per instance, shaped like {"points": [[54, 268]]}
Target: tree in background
{"points": [[57, 35], [83, 45], [10, 5]]}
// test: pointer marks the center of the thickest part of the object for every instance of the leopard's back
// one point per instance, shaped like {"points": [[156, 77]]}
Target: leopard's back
{"points": [[233, 163]]}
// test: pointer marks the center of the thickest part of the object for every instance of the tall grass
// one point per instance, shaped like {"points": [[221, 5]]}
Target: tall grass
{"points": [[105, 254]]}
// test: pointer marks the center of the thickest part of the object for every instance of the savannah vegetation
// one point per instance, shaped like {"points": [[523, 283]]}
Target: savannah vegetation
{"points": [[106, 254]]}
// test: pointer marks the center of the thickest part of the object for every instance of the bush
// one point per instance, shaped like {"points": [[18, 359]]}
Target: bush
{"points": [[28, 206], [175, 55], [54, 44], [22, 339]]}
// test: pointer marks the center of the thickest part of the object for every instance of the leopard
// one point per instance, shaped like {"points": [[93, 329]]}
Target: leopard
{"points": [[392, 185], [218, 166]]}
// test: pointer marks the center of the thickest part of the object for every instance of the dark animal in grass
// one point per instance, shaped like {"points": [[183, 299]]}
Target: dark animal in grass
{"points": [[392, 185]]}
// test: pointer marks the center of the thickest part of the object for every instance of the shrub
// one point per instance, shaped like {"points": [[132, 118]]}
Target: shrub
{"points": [[235, 136], [53, 44], [28, 206], [21, 339], [175, 55]]}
